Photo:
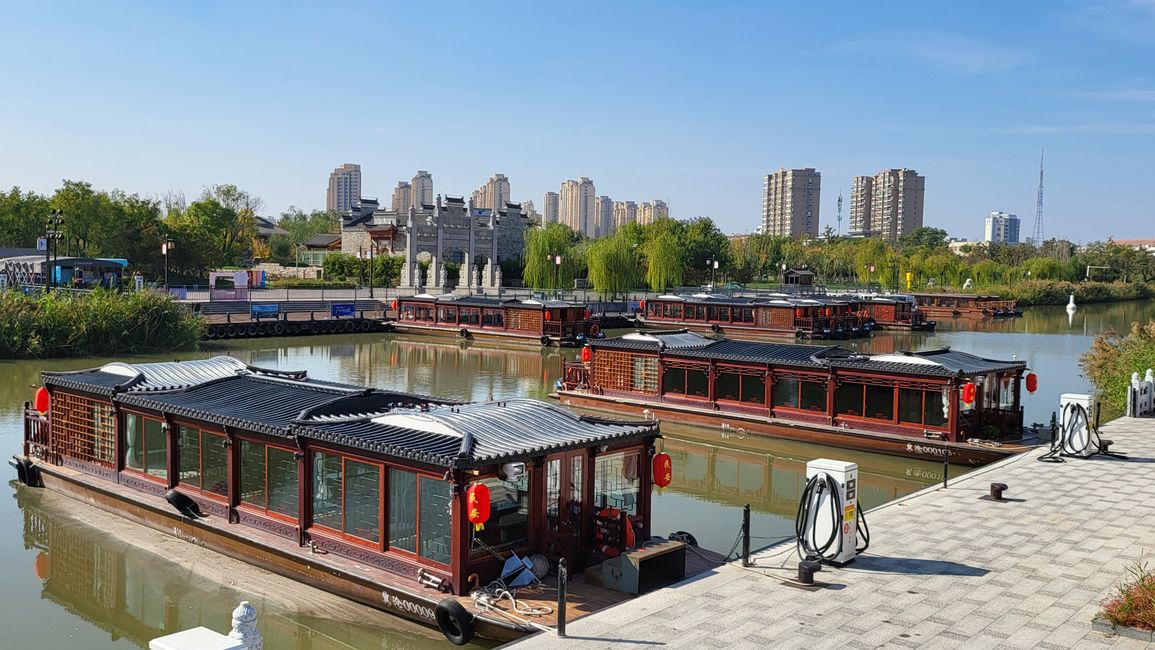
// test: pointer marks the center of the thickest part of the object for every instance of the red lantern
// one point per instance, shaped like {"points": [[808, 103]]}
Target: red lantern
{"points": [[478, 505], [547, 316], [969, 392], [42, 399], [587, 314], [1032, 382], [394, 304], [43, 566], [798, 312], [586, 354], [663, 470], [642, 305]]}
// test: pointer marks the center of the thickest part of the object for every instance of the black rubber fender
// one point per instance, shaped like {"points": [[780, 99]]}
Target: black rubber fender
{"points": [[686, 537], [464, 333], [545, 341], [454, 621], [714, 327], [21, 470], [279, 328], [231, 331]]}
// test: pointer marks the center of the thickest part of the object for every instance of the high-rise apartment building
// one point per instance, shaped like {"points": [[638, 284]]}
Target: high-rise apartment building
{"points": [[604, 209], [552, 207], [1002, 228], [625, 212], [576, 207], [421, 189], [493, 195], [530, 212], [861, 199], [344, 188], [790, 202], [402, 197], [651, 211], [896, 201]]}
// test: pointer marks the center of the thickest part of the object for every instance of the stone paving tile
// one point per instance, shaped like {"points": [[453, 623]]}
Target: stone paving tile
{"points": [[944, 570]]}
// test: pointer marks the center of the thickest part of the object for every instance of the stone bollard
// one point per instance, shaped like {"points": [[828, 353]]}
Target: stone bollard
{"points": [[245, 627]]}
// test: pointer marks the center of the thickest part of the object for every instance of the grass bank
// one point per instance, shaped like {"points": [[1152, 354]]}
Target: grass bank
{"points": [[1058, 292], [101, 323], [1113, 357]]}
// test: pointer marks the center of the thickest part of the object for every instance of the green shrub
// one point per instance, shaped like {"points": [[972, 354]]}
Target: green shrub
{"points": [[1112, 358], [101, 323]]}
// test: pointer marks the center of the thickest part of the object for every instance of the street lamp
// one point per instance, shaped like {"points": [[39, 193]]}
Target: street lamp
{"points": [[165, 247], [52, 235], [712, 264], [556, 276]]}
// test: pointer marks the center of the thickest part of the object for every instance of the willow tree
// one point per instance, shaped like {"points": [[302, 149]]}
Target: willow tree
{"points": [[543, 246], [613, 264], [664, 265]]}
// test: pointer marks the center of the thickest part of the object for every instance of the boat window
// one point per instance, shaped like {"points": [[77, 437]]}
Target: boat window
{"points": [[753, 389], [910, 407], [728, 386], [697, 383], [645, 374], [146, 450], [203, 461], [406, 312], [268, 478], [744, 315], [848, 399], [508, 525], [470, 317], [447, 314], [672, 309], [721, 314], [812, 396], [880, 402], [654, 308], [934, 411], [785, 393], [424, 313], [362, 502], [492, 318], [84, 429], [674, 381], [327, 488], [403, 510], [616, 482], [436, 527]]}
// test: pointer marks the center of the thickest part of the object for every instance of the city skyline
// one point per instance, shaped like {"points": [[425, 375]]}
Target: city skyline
{"points": [[151, 111]]}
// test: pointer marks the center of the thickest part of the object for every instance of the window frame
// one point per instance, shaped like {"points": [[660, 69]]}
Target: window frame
{"points": [[201, 432], [264, 511], [143, 470]]}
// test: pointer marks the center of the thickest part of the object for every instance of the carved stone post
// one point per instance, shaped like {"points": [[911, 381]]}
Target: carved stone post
{"points": [[245, 627]]}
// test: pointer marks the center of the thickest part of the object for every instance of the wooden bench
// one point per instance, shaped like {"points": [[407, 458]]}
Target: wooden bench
{"points": [[642, 570]]}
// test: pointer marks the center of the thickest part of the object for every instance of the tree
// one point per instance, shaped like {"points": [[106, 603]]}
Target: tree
{"points": [[303, 226], [925, 239], [542, 248], [700, 242], [23, 217], [663, 262], [86, 214], [613, 263]]}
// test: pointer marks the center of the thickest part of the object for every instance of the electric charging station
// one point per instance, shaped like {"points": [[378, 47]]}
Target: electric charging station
{"points": [[1078, 415], [827, 524]]}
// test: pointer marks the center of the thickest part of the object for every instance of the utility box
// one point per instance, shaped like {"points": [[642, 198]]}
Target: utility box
{"points": [[845, 477], [1077, 417]]}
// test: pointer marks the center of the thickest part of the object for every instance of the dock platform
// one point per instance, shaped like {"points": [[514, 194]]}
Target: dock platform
{"points": [[945, 569]]}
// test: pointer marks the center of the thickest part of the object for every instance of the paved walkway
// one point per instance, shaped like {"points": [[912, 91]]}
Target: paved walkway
{"points": [[945, 569]]}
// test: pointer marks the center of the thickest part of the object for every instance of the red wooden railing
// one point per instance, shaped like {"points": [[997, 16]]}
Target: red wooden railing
{"points": [[37, 435]]}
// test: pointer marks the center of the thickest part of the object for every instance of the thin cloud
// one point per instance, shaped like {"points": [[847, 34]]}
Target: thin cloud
{"points": [[1129, 21], [948, 52]]}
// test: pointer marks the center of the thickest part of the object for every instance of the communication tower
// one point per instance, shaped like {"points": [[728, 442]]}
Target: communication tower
{"points": [[1037, 238]]}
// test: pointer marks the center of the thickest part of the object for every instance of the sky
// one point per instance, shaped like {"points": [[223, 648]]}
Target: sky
{"points": [[689, 102]]}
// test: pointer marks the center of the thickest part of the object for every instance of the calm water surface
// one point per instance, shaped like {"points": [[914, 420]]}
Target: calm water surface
{"points": [[92, 583]]}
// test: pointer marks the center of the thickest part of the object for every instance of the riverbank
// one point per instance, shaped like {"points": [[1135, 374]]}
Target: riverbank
{"points": [[1113, 357], [945, 569], [1032, 293], [100, 323]]}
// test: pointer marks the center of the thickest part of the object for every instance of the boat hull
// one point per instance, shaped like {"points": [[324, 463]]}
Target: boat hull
{"points": [[751, 333], [410, 604], [528, 339], [743, 423]]}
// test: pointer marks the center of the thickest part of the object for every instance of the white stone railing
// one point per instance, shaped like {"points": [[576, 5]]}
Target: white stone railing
{"points": [[1141, 395], [243, 636]]}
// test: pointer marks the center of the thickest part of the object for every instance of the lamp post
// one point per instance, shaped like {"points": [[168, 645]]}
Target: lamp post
{"points": [[52, 235], [556, 276], [165, 247], [712, 264], [370, 270]]}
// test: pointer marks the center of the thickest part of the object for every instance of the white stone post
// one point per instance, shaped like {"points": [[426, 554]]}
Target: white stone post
{"points": [[245, 627]]}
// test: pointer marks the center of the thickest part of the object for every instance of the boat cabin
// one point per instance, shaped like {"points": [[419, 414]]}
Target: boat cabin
{"points": [[548, 319], [814, 318], [965, 304], [885, 310], [379, 477], [938, 394]]}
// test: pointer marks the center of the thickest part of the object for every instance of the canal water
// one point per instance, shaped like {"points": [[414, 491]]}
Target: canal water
{"points": [[79, 579]]}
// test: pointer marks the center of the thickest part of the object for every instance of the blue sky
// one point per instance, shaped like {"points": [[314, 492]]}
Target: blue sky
{"points": [[691, 102]]}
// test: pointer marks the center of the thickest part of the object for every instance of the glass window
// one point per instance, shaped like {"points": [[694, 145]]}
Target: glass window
{"points": [[493, 318], [508, 525], [674, 381], [753, 389], [155, 449], [470, 317], [910, 406], [282, 481], [727, 386], [848, 399], [403, 510], [785, 393], [362, 501], [327, 490], [134, 443], [204, 460], [253, 473], [880, 402], [934, 409], [189, 443], [447, 314], [616, 482], [812, 396], [697, 383], [436, 522]]}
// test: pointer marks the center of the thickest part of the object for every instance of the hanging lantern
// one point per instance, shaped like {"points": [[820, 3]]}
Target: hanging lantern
{"points": [[798, 312], [478, 505], [642, 305], [43, 566], [587, 314], [1032, 382], [586, 354], [547, 316], [663, 470], [969, 392], [42, 399], [394, 304]]}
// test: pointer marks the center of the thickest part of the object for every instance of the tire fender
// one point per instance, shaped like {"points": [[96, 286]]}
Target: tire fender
{"points": [[454, 622]]}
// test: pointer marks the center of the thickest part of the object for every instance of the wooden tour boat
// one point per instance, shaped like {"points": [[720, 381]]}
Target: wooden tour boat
{"points": [[894, 313], [965, 305], [939, 404], [778, 317], [547, 322], [374, 495]]}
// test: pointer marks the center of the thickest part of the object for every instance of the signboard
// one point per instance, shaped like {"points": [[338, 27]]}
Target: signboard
{"points": [[3, 280], [138, 281], [343, 310], [265, 311], [41, 243]]}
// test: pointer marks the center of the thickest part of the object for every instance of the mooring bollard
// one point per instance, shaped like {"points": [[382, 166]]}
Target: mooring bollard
{"points": [[561, 596], [945, 466], [997, 491], [746, 535]]}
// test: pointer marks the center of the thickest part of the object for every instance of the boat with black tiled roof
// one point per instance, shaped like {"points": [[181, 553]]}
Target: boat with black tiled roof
{"points": [[765, 317], [548, 322], [411, 504], [935, 404]]}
